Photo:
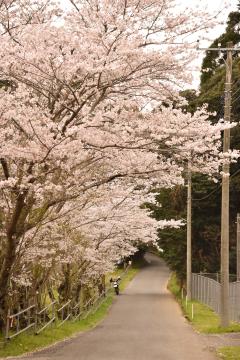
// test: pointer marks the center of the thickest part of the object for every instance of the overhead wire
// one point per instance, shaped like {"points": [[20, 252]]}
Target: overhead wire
{"points": [[220, 112], [238, 89], [217, 188], [237, 171], [233, 102]]}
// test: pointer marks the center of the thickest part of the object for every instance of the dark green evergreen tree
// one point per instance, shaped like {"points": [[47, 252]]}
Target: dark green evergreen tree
{"points": [[213, 59]]}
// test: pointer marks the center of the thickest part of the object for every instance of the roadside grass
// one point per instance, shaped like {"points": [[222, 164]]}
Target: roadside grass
{"points": [[204, 319], [229, 353], [28, 342]]}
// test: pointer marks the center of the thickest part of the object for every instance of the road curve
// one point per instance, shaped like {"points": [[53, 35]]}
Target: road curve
{"points": [[144, 323]]}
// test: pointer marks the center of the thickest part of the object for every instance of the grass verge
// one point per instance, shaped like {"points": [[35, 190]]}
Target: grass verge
{"points": [[28, 342], [229, 353], [204, 319]]}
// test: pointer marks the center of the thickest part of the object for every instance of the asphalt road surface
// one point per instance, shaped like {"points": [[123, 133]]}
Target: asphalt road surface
{"points": [[144, 323]]}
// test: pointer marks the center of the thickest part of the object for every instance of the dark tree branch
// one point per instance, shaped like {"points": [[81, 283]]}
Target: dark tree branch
{"points": [[5, 168]]}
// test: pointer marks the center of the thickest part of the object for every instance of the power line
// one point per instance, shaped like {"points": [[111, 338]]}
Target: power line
{"points": [[233, 102], [217, 188], [238, 89], [224, 291]]}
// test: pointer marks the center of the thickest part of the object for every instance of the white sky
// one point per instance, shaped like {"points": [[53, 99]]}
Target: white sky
{"points": [[213, 6]]}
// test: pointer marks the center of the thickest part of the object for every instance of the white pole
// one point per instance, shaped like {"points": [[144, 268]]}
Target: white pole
{"points": [[189, 233]]}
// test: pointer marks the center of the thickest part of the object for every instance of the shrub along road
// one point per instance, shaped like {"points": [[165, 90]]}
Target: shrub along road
{"points": [[144, 323]]}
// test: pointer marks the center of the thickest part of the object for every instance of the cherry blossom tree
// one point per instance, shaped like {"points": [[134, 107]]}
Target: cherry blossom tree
{"points": [[85, 113]]}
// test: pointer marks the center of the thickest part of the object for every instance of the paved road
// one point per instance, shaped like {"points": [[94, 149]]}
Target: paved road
{"points": [[145, 323]]}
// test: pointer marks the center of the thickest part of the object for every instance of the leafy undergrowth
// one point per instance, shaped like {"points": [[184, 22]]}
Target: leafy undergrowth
{"points": [[204, 319], [28, 342]]}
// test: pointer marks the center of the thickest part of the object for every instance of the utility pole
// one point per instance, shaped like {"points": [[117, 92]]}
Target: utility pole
{"points": [[189, 232], [224, 296], [225, 198], [238, 247]]}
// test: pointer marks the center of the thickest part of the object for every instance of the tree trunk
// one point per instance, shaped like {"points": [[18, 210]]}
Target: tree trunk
{"points": [[4, 281], [78, 293], [9, 257], [64, 289]]}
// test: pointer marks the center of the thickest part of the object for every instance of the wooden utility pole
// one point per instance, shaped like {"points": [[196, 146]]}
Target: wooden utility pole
{"points": [[225, 198], [189, 232], [238, 247], [224, 298]]}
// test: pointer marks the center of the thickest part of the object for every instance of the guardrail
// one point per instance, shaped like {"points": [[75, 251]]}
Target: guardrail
{"points": [[217, 276], [44, 313], [207, 291], [91, 307], [40, 320], [65, 312], [76, 312], [234, 301], [27, 313]]}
